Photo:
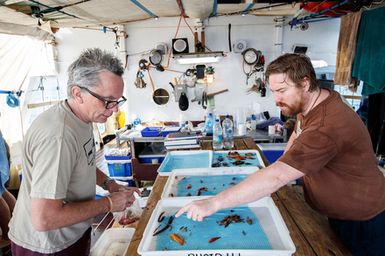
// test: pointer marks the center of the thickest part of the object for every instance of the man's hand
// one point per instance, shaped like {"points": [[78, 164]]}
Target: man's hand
{"points": [[123, 198], [199, 209]]}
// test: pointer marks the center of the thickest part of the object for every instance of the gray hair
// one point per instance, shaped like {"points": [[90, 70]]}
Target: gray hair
{"points": [[86, 69]]}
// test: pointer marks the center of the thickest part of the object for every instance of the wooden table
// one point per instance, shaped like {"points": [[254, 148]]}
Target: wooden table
{"points": [[309, 230]]}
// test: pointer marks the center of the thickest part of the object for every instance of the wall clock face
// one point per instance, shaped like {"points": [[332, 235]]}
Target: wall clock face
{"points": [[155, 57], [250, 56]]}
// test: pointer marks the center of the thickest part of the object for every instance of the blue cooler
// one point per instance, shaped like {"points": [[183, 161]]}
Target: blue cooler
{"points": [[272, 151], [129, 180], [119, 166]]}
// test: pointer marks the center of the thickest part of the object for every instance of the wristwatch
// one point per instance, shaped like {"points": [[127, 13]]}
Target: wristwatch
{"points": [[106, 182]]}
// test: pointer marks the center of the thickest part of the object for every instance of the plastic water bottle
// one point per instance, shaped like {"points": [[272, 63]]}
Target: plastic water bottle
{"points": [[228, 133], [209, 124], [217, 135]]}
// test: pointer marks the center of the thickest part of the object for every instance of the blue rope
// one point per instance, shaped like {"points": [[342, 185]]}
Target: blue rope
{"points": [[215, 9], [145, 9]]}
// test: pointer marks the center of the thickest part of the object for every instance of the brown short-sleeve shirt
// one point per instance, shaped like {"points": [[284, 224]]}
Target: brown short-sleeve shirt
{"points": [[334, 151]]}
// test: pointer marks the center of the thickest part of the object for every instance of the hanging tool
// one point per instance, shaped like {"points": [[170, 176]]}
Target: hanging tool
{"points": [[183, 102], [12, 101]]}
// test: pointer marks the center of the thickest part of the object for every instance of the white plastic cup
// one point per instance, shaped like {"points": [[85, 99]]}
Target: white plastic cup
{"points": [[271, 130], [241, 129]]}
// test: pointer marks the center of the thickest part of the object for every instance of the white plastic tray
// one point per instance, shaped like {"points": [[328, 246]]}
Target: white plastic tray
{"points": [[113, 241], [267, 213], [171, 186], [165, 170]]}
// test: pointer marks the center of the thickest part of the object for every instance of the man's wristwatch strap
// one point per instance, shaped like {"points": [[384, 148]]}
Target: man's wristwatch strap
{"points": [[106, 182]]}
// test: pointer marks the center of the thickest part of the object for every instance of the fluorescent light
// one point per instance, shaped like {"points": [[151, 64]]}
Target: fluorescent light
{"points": [[198, 58]]}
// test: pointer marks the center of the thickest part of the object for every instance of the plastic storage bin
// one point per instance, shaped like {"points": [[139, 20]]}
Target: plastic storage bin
{"points": [[113, 241], [119, 166], [264, 209], [151, 131], [272, 151]]}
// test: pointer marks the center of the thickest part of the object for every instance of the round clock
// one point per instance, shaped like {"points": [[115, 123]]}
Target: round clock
{"points": [[155, 57], [250, 56]]}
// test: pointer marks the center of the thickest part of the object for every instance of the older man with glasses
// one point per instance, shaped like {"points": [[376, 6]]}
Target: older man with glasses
{"points": [[56, 202]]}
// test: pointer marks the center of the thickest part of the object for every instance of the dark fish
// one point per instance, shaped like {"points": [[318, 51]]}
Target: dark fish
{"points": [[213, 239]]}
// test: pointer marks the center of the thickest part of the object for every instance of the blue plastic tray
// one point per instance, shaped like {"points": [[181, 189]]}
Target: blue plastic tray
{"points": [[151, 131]]}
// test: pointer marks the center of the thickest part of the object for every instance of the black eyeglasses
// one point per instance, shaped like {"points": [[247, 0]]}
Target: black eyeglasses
{"points": [[107, 103]]}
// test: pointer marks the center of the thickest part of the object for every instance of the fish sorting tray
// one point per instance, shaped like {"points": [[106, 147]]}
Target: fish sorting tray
{"points": [[237, 158], [203, 181], [185, 159], [113, 241], [253, 229]]}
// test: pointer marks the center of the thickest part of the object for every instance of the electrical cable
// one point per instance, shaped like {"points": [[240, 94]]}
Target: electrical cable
{"points": [[152, 82], [192, 32], [229, 36]]}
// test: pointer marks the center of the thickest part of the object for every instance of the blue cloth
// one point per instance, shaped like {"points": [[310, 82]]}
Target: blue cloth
{"points": [[4, 166], [272, 121]]}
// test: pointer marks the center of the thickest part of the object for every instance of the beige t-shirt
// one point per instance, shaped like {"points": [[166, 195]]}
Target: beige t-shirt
{"points": [[58, 163], [334, 150]]}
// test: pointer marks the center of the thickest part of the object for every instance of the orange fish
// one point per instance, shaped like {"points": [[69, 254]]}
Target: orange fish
{"points": [[177, 238]]}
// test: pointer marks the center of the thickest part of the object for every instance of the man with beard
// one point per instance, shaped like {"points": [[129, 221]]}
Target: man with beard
{"points": [[330, 149]]}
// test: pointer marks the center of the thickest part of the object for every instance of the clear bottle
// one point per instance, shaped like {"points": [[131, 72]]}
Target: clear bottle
{"points": [[209, 124], [228, 133], [217, 135]]}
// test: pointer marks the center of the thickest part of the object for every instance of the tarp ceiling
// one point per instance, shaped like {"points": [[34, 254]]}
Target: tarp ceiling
{"points": [[20, 16]]}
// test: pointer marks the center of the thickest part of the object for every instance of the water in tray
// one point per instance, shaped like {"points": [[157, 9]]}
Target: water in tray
{"points": [[235, 158], [207, 185], [183, 161], [236, 228]]}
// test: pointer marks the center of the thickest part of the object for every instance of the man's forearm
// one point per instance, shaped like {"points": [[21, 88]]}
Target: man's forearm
{"points": [[258, 185], [101, 177], [57, 214]]}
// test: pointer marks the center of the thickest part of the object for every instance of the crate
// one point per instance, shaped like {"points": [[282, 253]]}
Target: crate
{"points": [[266, 212], [151, 132]]}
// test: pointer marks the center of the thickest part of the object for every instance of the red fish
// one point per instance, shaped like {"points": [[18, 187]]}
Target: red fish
{"points": [[213, 239]]}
